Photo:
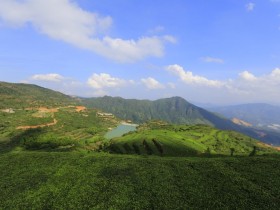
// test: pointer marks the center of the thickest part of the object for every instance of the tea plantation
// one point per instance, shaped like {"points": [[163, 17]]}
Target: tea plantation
{"points": [[52, 180]]}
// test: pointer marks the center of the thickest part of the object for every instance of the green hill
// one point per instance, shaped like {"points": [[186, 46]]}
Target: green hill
{"points": [[32, 117], [161, 139], [16, 95]]}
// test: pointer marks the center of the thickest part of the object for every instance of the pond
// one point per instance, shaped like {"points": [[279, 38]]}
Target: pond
{"points": [[120, 130]]}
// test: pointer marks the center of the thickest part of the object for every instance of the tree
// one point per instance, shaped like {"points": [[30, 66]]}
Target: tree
{"points": [[253, 153], [232, 150]]}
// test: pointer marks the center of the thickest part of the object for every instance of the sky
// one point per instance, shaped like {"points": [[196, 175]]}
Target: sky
{"points": [[219, 52]]}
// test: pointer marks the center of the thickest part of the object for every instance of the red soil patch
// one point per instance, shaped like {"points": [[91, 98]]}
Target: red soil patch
{"points": [[241, 122], [45, 109], [267, 145], [80, 108]]}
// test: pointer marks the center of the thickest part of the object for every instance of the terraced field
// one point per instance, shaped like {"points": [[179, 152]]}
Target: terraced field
{"points": [[186, 140], [50, 128]]}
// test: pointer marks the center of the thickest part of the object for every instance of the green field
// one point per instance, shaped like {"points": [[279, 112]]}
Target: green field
{"points": [[155, 138], [48, 180]]}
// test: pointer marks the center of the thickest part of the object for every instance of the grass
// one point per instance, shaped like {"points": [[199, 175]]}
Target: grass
{"points": [[49, 180], [81, 129], [185, 140]]}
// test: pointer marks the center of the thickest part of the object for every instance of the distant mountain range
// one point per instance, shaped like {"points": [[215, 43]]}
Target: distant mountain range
{"points": [[258, 115], [174, 110]]}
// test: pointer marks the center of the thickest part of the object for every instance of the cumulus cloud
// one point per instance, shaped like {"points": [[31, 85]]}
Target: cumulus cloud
{"points": [[246, 87], [103, 80], [64, 20], [212, 60], [47, 77], [151, 83], [250, 6], [247, 76], [189, 78]]}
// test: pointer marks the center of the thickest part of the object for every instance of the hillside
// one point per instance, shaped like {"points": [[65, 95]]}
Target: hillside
{"points": [[173, 110], [36, 118], [157, 138], [16, 95]]}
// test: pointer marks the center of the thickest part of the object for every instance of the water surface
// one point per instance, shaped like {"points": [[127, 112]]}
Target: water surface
{"points": [[120, 130]]}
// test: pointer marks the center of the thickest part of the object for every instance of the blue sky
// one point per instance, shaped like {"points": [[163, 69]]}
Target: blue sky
{"points": [[217, 52]]}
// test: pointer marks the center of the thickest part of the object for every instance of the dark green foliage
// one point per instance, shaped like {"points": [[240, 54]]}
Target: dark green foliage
{"points": [[232, 151], [147, 148], [40, 180], [136, 149], [158, 146], [253, 153]]}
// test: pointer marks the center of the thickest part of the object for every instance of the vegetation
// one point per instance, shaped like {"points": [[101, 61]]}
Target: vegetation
{"points": [[68, 129], [185, 140], [26, 95], [39, 180]]}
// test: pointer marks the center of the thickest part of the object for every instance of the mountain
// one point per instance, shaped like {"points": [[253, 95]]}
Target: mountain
{"points": [[259, 115], [15, 95], [173, 110]]}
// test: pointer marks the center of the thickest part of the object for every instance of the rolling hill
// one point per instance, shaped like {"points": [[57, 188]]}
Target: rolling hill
{"points": [[158, 138], [17, 95], [32, 118]]}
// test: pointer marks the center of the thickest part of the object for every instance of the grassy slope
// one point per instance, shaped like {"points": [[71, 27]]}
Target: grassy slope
{"points": [[39, 180], [81, 129], [185, 140], [26, 95]]}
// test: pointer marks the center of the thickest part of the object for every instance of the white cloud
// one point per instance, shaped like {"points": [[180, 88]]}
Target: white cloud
{"points": [[250, 6], [47, 77], [103, 80], [212, 60], [247, 76], [246, 88], [152, 84], [64, 20], [189, 78]]}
